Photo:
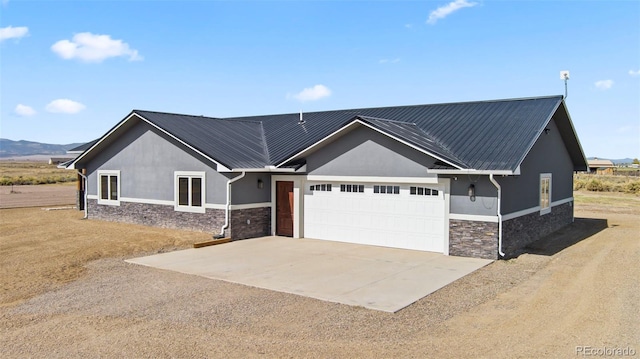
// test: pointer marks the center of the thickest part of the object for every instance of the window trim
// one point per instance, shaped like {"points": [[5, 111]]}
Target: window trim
{"points": [[176, 188], [109, 174], [545, 177]]}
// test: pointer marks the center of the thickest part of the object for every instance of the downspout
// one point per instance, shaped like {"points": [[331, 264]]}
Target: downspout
{"points": [[495, 183], [86, 210], [228, 205]]}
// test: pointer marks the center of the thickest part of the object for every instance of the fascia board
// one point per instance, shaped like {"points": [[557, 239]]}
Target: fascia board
{"points": [[540, 131], [356, 122], [261, 169], [474, 172], [220, 167], [105, 136], [575, 135]]}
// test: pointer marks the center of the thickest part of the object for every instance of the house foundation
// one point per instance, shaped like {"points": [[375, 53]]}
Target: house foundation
{"points": [[519, 232]]}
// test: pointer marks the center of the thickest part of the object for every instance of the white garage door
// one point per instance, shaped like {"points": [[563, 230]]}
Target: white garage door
{"points": [[390, 215]]}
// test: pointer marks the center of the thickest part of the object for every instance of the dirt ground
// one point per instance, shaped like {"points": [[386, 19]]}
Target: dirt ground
{"points": [[66, 292], [41, 195]]}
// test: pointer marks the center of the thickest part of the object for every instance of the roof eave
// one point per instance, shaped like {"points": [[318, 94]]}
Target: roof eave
{"points": [[219, 166], [475, 172]]}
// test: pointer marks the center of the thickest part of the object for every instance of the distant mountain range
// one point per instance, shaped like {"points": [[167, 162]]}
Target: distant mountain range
{"points": [[9, 148]]}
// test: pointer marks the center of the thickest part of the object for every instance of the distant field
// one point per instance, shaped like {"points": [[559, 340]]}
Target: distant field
{"points": [[29, 173], [606, 183]]}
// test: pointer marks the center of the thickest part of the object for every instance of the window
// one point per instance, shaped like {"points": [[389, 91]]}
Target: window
{"points": [[423, 191], [386, 189], [325, 187], [190, 194], [109, 187], [545, 193], [357, 188]]}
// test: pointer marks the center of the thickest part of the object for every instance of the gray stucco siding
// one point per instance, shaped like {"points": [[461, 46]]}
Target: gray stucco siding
{"points": [[147, 160], [365, 152], [548, 155], [246, 191], [485, 202]]}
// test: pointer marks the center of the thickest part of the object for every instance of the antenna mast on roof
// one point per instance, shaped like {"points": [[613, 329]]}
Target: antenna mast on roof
{"points": [[564, 75], [301, 120]]}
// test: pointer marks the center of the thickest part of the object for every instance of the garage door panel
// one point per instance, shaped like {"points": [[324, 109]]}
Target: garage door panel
{"points": [[393, 220]]}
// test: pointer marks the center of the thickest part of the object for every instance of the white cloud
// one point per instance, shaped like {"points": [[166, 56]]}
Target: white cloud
{"points": [[389, 61], [604, 84], [312, 93], [24, 110], [634, 73], [94, 48], [446, 10], [64, 105], [11, 32]]}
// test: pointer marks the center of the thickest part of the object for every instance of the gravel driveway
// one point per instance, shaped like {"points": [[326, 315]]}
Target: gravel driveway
{"points": [[531, 306]]}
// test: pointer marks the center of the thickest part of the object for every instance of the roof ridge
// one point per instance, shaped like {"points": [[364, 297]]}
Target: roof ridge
{"points": [[239, 119], [357, 110], [388, 120]]}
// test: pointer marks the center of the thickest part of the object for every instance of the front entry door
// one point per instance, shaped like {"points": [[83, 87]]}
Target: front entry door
{"points": [[284, 208]]}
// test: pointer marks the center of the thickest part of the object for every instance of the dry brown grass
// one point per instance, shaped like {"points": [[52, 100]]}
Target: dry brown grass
{"points": [[40, 250], [29, 173], [606, 183]]}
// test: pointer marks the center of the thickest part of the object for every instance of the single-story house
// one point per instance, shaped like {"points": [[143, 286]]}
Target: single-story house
{"points": [[478, 179]]}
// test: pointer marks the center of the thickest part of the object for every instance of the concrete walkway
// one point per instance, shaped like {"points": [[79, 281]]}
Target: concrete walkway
{"points": [[385, 279]]}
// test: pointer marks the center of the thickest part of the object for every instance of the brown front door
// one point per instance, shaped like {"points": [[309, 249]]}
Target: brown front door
{"points": [[284, 208]]}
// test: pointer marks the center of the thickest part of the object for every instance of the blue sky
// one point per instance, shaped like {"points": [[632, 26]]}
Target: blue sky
{"points": [[70, 70]]}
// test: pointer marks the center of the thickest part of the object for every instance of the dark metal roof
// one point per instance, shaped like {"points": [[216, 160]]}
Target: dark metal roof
{"points": [[234, 144], [83, 147], [484, 135]]}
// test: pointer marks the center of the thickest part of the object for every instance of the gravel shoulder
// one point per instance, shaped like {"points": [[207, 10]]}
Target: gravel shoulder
{"points": [[68, 293]]}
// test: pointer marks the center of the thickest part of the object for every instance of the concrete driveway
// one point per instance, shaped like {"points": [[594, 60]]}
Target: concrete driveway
{"points": [[385, 279]]}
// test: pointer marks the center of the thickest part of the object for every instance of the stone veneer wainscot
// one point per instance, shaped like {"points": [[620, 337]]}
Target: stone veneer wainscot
{"points": [[473, 239], [519, 232], [158, 215]]}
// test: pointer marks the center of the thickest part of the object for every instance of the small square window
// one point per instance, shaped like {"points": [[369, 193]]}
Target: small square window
{"points": [[434, 192], [420, 191], [361, 188], [396, 189], [343, 188], [376, 189], [189, 191], [323, 187], [413, 190]]}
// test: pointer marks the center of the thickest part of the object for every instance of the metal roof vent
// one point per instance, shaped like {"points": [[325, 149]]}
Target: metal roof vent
{"points": [[301, 120], [564, 75]]}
